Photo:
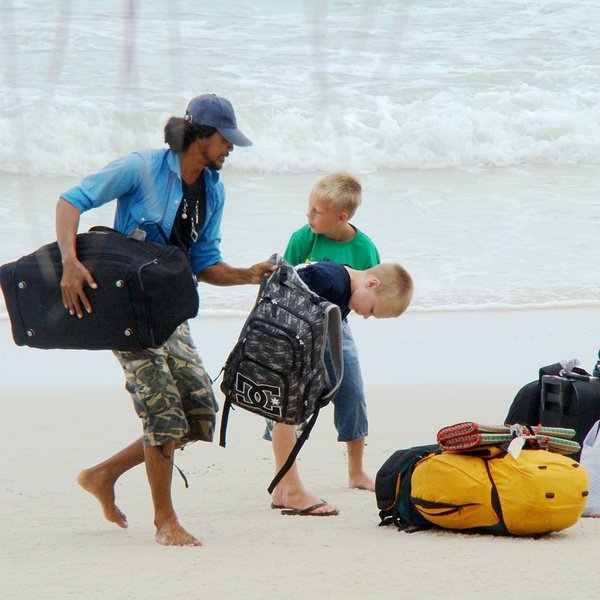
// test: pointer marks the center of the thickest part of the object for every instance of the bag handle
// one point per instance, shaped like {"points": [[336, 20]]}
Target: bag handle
{"points": [[274, 259]]}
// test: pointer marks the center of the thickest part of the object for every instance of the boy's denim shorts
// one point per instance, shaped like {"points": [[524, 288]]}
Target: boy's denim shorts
{"points": [[350, 407], [172, 393]]}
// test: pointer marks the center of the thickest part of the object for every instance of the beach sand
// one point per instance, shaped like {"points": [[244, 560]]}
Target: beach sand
{"points": [[65, 410]]}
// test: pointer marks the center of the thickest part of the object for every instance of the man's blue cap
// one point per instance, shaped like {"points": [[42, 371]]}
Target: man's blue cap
{"points": [[217, 112]]}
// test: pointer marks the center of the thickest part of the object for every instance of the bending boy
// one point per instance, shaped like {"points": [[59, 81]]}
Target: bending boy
{"points": [[383, 291]]}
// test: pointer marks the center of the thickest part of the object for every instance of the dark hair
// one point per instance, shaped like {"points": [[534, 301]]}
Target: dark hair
{"points": [[180, 134]]}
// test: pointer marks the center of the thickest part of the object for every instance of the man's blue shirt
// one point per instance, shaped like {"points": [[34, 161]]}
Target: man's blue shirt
{"points": [[147, 187]]}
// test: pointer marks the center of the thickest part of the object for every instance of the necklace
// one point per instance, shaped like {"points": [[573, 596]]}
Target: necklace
{"points": [[193, 217]]}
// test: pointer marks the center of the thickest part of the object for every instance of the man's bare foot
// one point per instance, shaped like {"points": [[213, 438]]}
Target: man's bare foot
{"points": [[103, 489], [361, 482], [171, 533]]}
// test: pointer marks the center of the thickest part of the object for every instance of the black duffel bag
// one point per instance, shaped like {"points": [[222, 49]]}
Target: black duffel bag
{"points": [[145, 290]]}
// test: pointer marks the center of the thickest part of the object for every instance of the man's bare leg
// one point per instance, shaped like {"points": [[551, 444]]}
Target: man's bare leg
{"points": [[290, 492], [159, 468], [100, 480]]}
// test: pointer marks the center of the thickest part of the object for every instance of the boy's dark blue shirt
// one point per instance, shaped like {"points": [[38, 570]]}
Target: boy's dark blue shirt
{"points": [[330, 281]]}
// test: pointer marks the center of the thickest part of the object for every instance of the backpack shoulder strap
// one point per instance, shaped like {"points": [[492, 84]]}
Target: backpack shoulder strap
{"points": [[333, 322]]}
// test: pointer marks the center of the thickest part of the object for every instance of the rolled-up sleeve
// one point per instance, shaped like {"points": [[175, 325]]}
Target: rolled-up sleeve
{"points": [[114, 181]]}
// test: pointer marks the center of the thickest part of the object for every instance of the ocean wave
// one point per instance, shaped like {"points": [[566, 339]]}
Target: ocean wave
{"points": [[387, 86], [448, 130]]}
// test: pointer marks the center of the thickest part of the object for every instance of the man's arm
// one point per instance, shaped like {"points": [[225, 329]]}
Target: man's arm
{"points": [[74, 274], [223, 274]]}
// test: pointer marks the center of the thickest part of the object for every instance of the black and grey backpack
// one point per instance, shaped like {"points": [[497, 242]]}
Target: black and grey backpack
{"points": [[277, 368]]}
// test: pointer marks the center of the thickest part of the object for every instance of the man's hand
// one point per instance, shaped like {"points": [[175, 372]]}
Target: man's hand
{"points": [[223, 274], [260, 269], [71, 287], [74, 272]]}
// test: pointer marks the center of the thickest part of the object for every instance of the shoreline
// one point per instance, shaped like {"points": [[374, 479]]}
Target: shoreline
{"points": [[218, 313], [481, 347]]}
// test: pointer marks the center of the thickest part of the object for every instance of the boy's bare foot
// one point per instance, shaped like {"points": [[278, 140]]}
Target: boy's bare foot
{"points": [[103, 489], [171, 533], [361, 482]]}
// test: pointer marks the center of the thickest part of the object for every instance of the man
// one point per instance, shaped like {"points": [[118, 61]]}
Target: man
{"points": [[175, 196]]}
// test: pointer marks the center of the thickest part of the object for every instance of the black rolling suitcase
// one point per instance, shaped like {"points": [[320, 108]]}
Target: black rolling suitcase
{"points": [[525, 408], [145, 290], [572, 401]]}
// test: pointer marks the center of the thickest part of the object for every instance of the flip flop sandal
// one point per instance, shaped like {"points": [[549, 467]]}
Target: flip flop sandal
{"points": [[309, 511]]}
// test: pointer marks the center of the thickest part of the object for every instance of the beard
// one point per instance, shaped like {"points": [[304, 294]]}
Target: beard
{"points": [[215, 165]]}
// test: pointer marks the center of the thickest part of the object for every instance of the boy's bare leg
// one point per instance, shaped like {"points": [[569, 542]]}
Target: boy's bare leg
{"points": [[290, 492], [100, 480], [159, 468], [357, 478]]}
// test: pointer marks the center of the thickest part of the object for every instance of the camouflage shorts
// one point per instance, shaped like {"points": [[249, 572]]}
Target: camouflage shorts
{"points": [[171, 391]]}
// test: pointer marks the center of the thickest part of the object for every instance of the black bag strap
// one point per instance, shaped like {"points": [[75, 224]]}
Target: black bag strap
{"points": [[103, 229], [295, 451], [224, 420]]}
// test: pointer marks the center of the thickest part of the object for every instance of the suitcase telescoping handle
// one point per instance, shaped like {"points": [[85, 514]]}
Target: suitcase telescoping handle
{"points": [[576, 376]]}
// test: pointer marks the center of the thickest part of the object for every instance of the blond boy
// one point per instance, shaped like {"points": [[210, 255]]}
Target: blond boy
{"points": [[383, 291], [329, 236]]}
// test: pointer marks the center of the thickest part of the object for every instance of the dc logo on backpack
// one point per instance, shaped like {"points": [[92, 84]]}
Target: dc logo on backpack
{"points": [[265, 397]]}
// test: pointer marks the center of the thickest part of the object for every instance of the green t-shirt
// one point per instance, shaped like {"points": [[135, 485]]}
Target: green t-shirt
{"points": [[358, 253]]}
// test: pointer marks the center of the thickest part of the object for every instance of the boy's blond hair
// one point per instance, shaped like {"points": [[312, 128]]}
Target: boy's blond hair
{"points": [[396, 286], [342, 190]]}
